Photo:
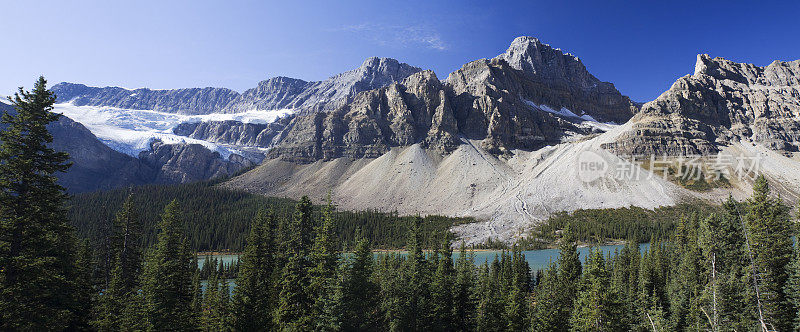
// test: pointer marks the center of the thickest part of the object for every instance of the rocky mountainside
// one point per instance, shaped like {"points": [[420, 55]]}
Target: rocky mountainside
{"points": [[560, 80], [193, 162], [723, 102], [274, 93], [184, 101], [182, 163], [543, 98], [504, 140], [95, 166], [233, 132], [284, 92]]}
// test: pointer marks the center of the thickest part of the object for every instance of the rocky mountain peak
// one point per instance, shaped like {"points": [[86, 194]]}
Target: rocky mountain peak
{"points": [[533, 57], [280, 81], [425, 77], [776, 74], [284, 92], [723, 69], [535, 72], [373, 73]]}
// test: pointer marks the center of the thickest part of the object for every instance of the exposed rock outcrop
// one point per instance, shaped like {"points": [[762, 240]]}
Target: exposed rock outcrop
{"points": [[503, 106], [233, 132], [721, 103], [183, 163], [415, 110], [560, 79]]}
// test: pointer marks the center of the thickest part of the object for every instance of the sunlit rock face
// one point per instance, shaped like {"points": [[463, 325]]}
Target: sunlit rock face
{"points": [[721, 103], [529, 97]]}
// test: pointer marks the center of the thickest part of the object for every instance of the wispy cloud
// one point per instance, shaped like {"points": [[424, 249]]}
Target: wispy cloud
{"points": [[399, 35]]}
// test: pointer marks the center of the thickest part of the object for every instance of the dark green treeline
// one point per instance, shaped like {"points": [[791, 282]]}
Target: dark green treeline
{"points": [[218, 219]]}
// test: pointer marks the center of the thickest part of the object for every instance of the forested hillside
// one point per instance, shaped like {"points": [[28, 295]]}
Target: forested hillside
{"points": [[218, 219], [593, 226]]}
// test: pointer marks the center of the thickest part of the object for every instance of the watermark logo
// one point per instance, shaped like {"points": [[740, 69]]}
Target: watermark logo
{"points": [[591, 166], [685, 169]]}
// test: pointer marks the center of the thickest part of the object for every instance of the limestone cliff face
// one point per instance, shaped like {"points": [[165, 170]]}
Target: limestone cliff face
{"points": [[560, 79], [492, 102], [233, 132], [722, 102], [506, 103], [400, 114], [182, 163]]}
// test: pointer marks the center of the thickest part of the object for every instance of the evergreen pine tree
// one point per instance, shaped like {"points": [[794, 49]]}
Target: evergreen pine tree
{"points": [[726, 294], [38, 272], [793, 288], [569, 273], [325, 260], [625, 277], [463, 291], [215, 299], [224, 304], [128, 244], [768, 224], [393, 281], [125, 269], [361, 294], [254, 292], [597, 307], [490, 311], [167, 277], [112, 303], [134, 315], [417, 295], [197, 294], [294, 303], [544, 312], [85, 291], [442, 290], [687, 279], [517, 298]]}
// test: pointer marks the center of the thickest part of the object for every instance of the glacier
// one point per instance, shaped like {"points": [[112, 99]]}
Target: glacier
{"points": [[131, 131]]}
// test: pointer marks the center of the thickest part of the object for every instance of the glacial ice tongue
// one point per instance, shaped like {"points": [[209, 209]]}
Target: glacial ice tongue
{"points": [[132, 131]]}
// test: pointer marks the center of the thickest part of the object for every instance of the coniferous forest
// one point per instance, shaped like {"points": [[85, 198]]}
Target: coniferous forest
{"points": [[731, 269]]}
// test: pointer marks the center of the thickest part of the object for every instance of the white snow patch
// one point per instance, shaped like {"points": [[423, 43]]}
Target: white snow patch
{"points": [[586, 119], [132, 131]]}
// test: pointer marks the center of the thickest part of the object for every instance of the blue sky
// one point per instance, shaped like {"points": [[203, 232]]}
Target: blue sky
{"points": [[641, 46]]}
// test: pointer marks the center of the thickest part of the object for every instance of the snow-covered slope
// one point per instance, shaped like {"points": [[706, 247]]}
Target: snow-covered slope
{"points": [[131, 131]]}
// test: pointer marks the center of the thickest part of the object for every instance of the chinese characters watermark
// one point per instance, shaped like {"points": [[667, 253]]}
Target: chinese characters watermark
{"points": [[710, 168]]}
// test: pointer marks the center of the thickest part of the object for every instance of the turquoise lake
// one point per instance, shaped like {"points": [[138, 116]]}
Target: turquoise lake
{"points": [[537, 259]]}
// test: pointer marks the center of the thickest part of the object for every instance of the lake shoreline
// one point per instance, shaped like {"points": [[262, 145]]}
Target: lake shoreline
{"points": [[400, 250]]}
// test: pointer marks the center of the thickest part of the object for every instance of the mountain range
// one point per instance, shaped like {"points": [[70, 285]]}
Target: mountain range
{"points": [[505, 140]]}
